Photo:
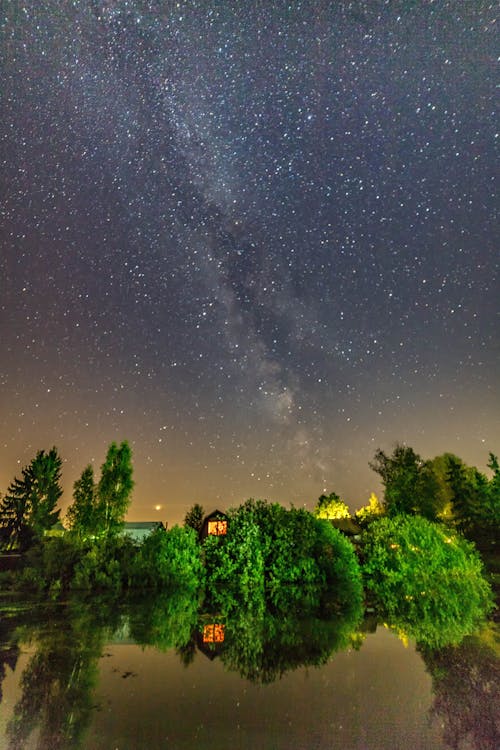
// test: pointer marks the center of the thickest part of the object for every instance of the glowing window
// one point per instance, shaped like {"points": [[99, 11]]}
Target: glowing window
{"points": [[213, 633], [217, 528]]}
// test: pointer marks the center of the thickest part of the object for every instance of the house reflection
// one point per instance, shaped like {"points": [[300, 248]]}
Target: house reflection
{"points": [[210, 640], [213, 633]]}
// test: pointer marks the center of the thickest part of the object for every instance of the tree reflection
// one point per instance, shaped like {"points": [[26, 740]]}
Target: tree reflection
{"points": [[466, 685], [264, 644], [58, 682], [258, 640]]}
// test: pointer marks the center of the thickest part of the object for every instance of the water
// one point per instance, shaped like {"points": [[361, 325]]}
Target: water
{"points": [[150, 676]]}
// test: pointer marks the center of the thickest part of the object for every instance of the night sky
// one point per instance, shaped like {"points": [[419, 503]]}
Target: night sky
{"points": [[256, 239]]}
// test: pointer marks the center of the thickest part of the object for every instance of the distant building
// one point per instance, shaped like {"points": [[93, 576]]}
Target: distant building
{"points": [[139, 530], [215, 524]]}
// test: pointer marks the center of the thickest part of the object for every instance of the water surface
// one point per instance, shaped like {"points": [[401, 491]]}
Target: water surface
{"points": [[76, 677]]}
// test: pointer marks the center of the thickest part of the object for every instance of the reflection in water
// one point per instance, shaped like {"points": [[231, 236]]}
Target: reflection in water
{"points": [[466, 686], [260, 643], [59, 680]]}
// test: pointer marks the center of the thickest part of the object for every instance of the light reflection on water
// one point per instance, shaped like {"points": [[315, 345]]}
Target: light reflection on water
{"points": [[75, 678]]}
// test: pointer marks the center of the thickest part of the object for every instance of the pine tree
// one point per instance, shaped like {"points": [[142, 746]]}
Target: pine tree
{"points": [[28, 508]]}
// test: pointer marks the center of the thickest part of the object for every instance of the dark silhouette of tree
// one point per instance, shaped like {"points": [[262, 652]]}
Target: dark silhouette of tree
{"points": [[194, 517], [409, 482], [475, 499], [466, 687], [28, 508]]}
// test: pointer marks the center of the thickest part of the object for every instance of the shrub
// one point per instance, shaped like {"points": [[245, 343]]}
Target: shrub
{"points": [[425, 580]]}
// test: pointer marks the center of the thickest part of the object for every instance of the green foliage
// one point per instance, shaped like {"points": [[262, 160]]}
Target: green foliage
{"points": [[28, 508], [331, 507], [268, 549], [409, 483], [167, 620], [425, 580], [107, 564], [475, 499], [83, 517], [168, 560], [235, 564], [115, 488], [370, 512], [263, 643], [194, 517]]}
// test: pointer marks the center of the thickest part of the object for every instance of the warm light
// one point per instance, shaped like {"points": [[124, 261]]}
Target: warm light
{"points": [[217, 528], [158, 507], [213, 633]]}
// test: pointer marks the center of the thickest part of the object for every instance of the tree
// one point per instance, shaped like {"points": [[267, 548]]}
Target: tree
{"points": [[409, 482], [169, 560], [425, 579], [28, 508], [370, 512], [475, 499], [83, 516], [194, 517], [331, 507], [115, 488]]}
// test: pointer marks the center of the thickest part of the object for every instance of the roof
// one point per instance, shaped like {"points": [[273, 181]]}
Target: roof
{"points": [[215, 513], [128, 525]]}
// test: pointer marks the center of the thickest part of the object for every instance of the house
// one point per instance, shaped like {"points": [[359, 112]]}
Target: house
{"points": [[139, 530], [215, 524]]}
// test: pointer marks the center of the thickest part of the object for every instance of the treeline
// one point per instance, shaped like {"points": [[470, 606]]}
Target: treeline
{"points": [[406, 557], [29, 509], [443, 489]]}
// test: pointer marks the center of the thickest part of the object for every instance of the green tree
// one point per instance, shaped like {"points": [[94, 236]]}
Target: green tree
{"points": [[194, 517], [169, 560], [29, 507], [268, 549], [115, 488], [425, 580], [331, 507], [370, 512], [475, 500], [409, 482], [83, 514], [493, 506]]}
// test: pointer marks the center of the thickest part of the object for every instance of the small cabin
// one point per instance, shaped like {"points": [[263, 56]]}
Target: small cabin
{"points": [[139, 530], [215, 524]]}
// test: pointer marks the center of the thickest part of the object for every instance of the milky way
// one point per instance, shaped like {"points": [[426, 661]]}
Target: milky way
{"points": [[256, 239]]}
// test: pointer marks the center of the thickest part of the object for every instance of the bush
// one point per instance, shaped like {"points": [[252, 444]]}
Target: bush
{"points": [[169, 559], [283, 554], [426, 580]]}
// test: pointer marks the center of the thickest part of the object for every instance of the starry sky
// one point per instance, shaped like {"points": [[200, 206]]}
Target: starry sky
{"points": [[256, 239]]}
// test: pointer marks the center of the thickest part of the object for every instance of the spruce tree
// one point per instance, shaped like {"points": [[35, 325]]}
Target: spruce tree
{"points": [[29, 507]]}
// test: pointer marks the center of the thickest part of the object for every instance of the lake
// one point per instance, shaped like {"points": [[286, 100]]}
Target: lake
{"points": [[100, 677]]}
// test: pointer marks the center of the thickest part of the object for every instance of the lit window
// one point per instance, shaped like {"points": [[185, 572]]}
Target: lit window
{"points": [[217, 528], [213, 633]]}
